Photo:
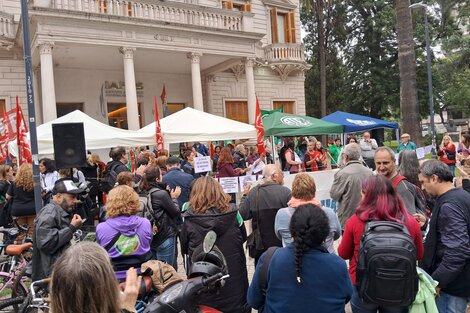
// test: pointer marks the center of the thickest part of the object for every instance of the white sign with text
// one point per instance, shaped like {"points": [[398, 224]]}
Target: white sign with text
{"points": [[202, 164]]}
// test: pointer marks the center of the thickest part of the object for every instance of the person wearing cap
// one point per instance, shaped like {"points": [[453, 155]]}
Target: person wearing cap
{"points": [[54, 227], [176, 177], [406, 143]]}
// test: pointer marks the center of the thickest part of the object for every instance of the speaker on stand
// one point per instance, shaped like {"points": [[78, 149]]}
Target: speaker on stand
{"points": [[69, 145]]}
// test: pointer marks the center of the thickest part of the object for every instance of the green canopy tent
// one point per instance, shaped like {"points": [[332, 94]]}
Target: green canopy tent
{"points": [[284, 124]]}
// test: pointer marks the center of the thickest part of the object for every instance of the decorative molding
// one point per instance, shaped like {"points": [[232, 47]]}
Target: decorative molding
{"points": [[250, 62], [238, 71], [284, 70], [46, 47], [195, 57], [127, 52]]}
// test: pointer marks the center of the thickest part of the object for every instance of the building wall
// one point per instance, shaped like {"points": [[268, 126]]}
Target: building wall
{"points": [[269, 87], [13, 83], [84, 86]]}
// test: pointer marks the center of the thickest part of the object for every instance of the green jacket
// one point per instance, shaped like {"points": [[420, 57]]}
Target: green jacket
{"points": [[334, 153], [425, 298], [409, 146]]}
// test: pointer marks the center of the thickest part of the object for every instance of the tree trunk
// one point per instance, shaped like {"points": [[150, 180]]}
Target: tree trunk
{"points": [[322, 55], [407, 63]]}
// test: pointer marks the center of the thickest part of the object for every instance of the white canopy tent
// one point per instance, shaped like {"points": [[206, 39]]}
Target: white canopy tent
{"points": [[189, 125], [97, 134]]}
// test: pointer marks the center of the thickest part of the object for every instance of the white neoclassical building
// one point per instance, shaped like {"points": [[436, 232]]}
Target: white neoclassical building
{"points": [[110, 58]]}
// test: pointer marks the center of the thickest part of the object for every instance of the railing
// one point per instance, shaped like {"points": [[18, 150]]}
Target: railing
{"points": [[279, 52], [6, 25], [174, 12]]}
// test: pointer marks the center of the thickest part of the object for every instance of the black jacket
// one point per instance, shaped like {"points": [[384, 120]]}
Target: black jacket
{"points": [[52, 235], [447, 245], [166, 212], [232, 296], [272, 197]]}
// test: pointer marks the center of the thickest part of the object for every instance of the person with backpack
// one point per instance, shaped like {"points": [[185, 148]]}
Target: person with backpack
{"points": [[166, 215], [124, 235], [303, 276], [447, 246], [380, 203], [117, 165]]}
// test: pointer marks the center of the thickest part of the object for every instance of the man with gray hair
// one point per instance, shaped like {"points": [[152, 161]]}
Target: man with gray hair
{"points": [[261, 204], [346, 189], [447, 245]]}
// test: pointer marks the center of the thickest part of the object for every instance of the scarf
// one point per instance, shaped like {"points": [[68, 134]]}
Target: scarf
{"points": [[295, 203]]}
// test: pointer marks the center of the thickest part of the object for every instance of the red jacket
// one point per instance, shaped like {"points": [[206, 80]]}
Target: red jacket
{"points": [[349, 246], [447, 154]]}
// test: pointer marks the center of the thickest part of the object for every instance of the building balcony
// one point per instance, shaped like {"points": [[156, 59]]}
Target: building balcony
{"points": [[7, 27], [284, 53], [184, 14]]}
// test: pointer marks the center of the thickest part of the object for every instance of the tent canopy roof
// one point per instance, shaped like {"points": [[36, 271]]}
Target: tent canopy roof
{"points": [[194, 125], [355, 123], [283, 124], [97, 134]]}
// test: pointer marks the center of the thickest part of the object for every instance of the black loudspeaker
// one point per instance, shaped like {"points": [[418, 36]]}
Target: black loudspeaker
{"points": [[69, 145]]}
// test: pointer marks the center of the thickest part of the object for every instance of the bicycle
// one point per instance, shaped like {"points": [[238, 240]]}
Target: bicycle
{"points": [[37, 301]]}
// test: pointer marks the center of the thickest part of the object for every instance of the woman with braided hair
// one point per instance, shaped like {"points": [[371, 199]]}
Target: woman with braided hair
{"points": [[303, 274]]}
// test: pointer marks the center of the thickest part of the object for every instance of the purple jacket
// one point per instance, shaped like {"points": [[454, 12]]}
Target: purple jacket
{"points": [[132, 248]]}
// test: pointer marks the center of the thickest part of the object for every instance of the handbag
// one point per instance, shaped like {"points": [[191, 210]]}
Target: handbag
{"points": [[254, 242]]}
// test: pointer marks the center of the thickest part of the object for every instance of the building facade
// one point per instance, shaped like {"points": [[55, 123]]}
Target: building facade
{"points": [[110, 58]]}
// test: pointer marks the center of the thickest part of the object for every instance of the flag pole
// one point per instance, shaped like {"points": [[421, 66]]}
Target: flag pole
{"points": [[30, 99]]}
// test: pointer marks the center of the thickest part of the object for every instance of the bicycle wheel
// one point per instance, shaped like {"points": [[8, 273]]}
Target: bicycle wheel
{"points": [[7, 285], [11, 305], [28, 307]]}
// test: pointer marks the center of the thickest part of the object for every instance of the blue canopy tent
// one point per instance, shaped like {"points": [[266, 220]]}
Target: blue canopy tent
{"points": [[356, 123]]}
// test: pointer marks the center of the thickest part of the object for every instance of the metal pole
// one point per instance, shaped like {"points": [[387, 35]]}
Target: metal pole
{"points": [[431, 100], [30, 99]]}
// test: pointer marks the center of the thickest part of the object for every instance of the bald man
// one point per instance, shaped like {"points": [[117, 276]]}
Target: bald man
{"points": [[261, 204]]}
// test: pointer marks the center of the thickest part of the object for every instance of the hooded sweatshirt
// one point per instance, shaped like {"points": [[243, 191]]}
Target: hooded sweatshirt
{"points": [[132, 247]]}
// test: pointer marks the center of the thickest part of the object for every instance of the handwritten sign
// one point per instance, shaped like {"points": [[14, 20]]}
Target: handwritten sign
{"points": [[420, 153], [259, 167], [427, 149], [244, 180], [202, 164], [229, 184]]}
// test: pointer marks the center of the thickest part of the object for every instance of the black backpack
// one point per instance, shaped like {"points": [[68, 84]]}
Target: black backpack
{"points": [[109, 180], [386, 267]]}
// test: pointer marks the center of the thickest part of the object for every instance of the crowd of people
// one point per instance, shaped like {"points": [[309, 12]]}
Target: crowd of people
{"points": [[307, 270]]}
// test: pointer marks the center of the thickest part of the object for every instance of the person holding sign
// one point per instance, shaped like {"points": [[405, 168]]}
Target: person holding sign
{"points": [[256, 160], [225, 165]]}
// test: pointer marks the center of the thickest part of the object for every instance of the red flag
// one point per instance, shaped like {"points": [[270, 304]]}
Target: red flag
{"points": [[158, 128], [259, 129], [24, 150], [6, 134], [163, 95]]}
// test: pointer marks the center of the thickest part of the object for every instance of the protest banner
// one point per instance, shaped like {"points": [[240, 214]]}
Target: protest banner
{"points": [[229, 184], [202, 164]]}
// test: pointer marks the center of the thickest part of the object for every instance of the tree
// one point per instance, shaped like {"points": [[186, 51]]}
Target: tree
{"points": [[407, 66]]}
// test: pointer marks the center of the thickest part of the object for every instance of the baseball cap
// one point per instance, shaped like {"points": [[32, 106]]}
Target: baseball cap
{"points": [[173, 160], [66, 186]]}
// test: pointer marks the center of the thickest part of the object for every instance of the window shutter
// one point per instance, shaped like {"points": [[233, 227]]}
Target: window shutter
{"points": [[229, 5], [224, 5], [290, 27], [247, 7], [274, 35]]}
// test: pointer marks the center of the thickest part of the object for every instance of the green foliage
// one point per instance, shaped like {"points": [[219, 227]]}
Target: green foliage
{"points": [[362, 57]]}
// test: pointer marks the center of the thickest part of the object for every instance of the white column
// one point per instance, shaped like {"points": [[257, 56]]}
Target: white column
{"points": [[37, 92], [131, 91], [49, 107], [250, 89], [196, 80]]}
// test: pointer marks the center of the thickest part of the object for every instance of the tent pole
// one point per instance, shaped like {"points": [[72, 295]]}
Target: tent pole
{"points": [[275, 156], [397, 135]]}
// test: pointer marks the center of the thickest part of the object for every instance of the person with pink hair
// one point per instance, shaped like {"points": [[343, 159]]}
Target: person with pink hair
{"points": [[380, 202]]}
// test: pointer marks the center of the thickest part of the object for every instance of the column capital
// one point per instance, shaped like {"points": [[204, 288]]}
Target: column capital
{"points": [[46, 47], [250, 62], [195, 57], [127, 52]]}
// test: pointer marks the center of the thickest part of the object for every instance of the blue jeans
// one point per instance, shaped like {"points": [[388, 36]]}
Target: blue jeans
{"points": [[451, 304], [165, 251], [357, 306], [452, 169]]}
